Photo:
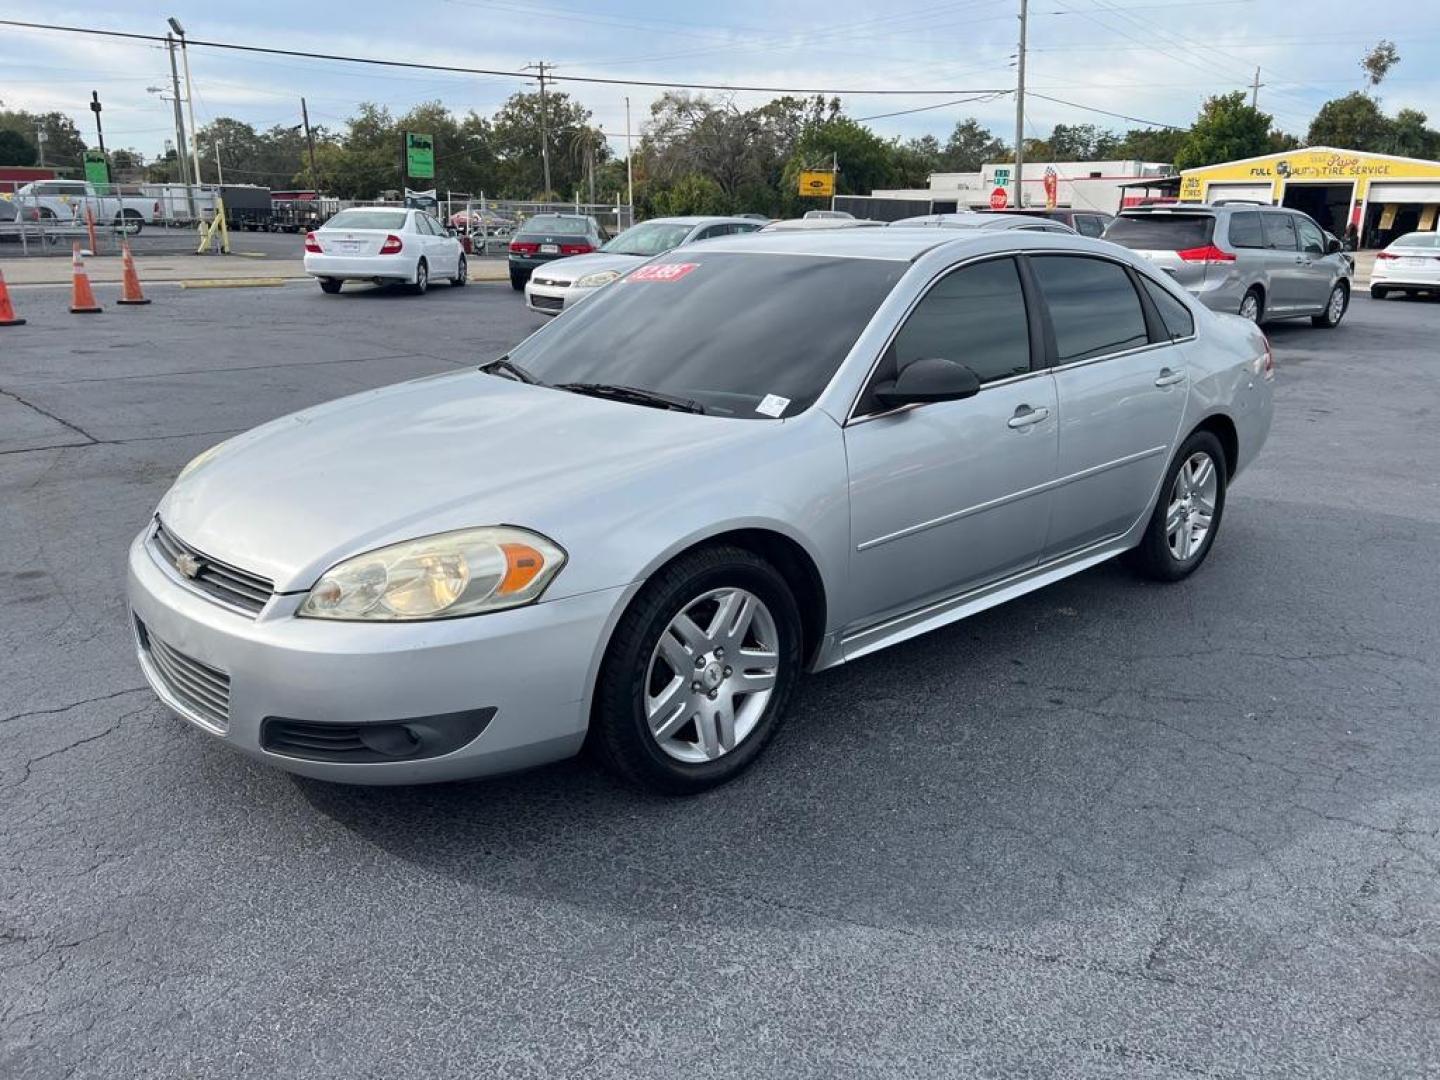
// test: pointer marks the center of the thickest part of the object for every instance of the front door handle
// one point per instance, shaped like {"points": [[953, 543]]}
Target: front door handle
{"points": [[1168, 377], [1025, 416]]}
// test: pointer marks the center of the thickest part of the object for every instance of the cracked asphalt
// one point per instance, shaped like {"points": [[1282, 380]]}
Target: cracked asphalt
{"points": [[1110, 830]]}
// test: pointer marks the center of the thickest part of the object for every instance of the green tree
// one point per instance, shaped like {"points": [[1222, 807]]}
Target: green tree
{"points": [[1151, 144], [691, 194], [517, 143], [64, 147], [972, 145], [1378, 61], [1227, 129], [1411, 135], [1353, 122], [15, 148]]}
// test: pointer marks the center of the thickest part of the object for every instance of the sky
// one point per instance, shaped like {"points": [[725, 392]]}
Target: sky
{"points": [[1151, 59]]}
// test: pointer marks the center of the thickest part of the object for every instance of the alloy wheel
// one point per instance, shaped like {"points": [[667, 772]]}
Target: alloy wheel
{"points": [[1250, 307], [711, 675], [1192, 506], [1337, 305]]}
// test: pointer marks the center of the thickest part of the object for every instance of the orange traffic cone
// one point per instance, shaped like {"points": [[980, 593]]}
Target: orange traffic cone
{"points": [[7, 310], [130, 290], [82, 297], [90, 229]]}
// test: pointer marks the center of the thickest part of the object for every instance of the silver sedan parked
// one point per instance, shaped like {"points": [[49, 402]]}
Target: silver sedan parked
{"points": [[742, 461]]}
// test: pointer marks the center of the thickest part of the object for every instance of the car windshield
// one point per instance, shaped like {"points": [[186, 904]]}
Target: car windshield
{"points": [[1418, 240], [367, 219], [743, 335], [1161, 232], [551, 225], [651, 238]]}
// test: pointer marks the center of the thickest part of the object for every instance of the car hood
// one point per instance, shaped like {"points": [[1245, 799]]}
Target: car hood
{"points": [[293, 497], [577, 266]]}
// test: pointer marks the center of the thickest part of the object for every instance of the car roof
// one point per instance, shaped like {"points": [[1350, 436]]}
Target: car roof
{"points": [[898, 245], [971, 219], [697, 219], [1205, 208]]}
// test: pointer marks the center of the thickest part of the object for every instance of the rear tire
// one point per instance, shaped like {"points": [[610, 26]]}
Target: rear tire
{"points": [[330, 285], [129, 222], [1335, 308], [689, 753], [518, 279], [1252, 306], [422, 278], [1187, 514], [1378, 292]]}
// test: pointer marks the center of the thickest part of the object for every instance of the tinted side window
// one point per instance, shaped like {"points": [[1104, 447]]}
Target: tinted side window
{"points": [[1179, 323], [1093, 306], [1279, 232], [1310, 239], [1245, 230], [976, 316]]}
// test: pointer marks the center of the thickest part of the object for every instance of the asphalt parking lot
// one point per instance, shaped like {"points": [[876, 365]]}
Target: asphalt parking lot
{"points": [[1112, 829]]}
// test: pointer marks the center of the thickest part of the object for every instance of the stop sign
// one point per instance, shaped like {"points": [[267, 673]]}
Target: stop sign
{"points": [[998, 199]]}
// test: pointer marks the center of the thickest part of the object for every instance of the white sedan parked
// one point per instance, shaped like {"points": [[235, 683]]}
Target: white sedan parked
{"points": [[386, 246], [1411, 264]]}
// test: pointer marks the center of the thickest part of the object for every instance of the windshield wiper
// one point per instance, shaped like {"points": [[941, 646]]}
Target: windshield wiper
{"points": [[633, 394], [515, 371]]}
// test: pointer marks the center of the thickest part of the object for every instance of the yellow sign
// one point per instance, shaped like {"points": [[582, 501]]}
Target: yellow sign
{"points": [[1306, 166], [819, 185]]}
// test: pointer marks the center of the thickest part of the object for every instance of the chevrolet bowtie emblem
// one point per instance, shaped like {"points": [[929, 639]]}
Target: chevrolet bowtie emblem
{"points": [[188, 564]]}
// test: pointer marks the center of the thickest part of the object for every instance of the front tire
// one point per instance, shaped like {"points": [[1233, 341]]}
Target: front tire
{"points": [[462, 274], [129, 222], [1187, 515], [1335, 309], [698, 673], [422, 278]]}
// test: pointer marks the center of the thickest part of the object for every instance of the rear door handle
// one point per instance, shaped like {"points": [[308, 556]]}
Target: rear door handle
{"points": [[1025, 416], [1168, 377]]}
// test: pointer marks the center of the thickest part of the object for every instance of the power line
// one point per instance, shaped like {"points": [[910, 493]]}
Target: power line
{"points": [[1106, 112], [928, 108], [416, 65]]}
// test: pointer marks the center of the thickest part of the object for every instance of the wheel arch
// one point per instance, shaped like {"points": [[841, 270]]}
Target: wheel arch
{"points": [[1223, 428]]}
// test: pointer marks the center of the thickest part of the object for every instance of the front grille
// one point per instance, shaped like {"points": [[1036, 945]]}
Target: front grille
{"points": [[549, 303], [202, 689], [220, 581]]}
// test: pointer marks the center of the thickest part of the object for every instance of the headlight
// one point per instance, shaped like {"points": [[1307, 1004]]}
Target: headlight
{"points": [[465, 572], [594, 281]]}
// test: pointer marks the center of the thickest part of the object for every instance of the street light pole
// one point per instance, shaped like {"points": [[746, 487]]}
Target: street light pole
{"points": [[219, 172], [180, 129], [189, 98]]}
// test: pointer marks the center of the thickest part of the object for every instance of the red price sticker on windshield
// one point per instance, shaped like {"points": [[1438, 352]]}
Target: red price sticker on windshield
{"points": [[662, 272]]}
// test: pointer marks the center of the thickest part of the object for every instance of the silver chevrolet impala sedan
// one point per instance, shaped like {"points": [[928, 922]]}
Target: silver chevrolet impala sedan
{"points": [[633, 533]]}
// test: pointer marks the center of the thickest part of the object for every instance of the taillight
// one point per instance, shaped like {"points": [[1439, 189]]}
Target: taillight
{"points": [[392, 245], [520, 247], [1385, 255], [312, 244], [1207, 254], [1265, 362], [575, 249]]}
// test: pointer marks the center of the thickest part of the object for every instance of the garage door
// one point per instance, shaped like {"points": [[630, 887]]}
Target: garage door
{"points": [[1259, 193], [1405, 193]]}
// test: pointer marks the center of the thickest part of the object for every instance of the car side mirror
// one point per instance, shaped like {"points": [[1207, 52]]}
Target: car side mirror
{"points": [[930, 379], [1333, 246]]}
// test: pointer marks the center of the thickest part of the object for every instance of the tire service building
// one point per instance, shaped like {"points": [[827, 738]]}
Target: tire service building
{"points": [[1382, 195]]}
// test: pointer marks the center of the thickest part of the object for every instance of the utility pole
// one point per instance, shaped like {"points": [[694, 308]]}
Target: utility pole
{"points": [[189, 100], [99, 131], [544, 126], [1020, 106], [1255, 90], [310, 145], [180, 129], [219, 172], [40, 145], [629, 165]]}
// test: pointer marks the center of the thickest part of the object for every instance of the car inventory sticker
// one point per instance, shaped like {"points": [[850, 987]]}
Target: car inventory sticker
{"points": [[662, 272], [772, 405]]}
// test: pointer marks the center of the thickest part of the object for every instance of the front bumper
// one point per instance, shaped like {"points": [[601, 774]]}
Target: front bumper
{"points": [[365, 267], [551, 299], [533, 666]]}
